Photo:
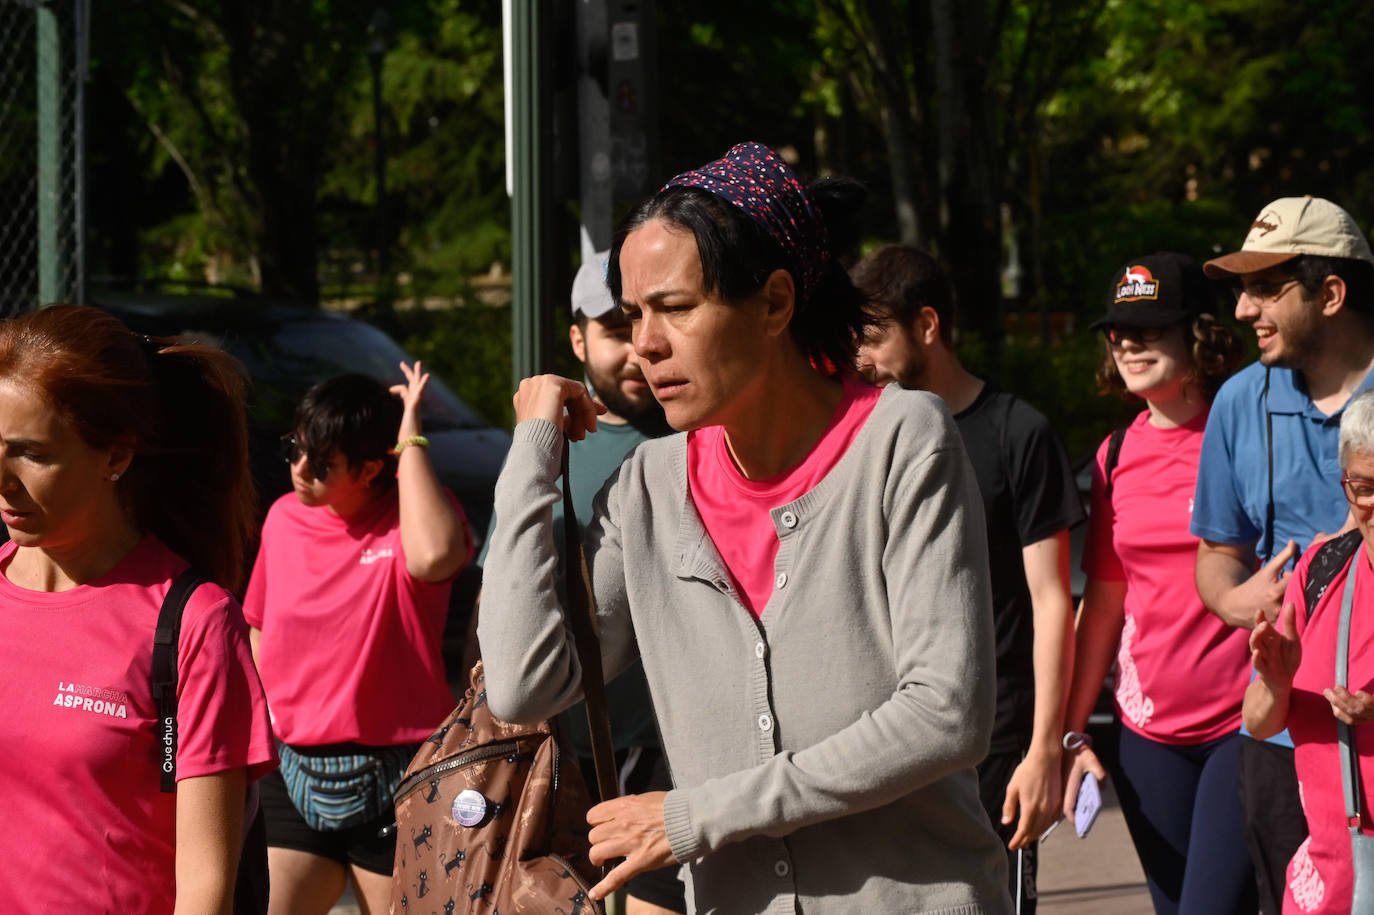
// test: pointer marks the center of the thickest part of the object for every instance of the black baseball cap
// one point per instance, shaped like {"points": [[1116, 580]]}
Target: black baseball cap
{"points": [[1157, 290]]}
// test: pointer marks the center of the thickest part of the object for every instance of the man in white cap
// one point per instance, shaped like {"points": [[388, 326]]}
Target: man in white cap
{"points": [[1269, 481]]}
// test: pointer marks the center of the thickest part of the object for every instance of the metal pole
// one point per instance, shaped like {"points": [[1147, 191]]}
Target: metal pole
{"points": [[82, 9], [49, 61], [530, 192]]}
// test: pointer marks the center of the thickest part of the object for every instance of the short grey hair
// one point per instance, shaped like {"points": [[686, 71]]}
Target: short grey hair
{"points": [[1357, 427]]}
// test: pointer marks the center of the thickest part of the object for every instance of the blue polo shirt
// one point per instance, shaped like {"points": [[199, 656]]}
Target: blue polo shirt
{"points": [[1232, 496]]}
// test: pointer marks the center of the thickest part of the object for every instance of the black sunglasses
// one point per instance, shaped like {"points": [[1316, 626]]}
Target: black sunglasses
{"points": [[291, 452], [1117, 334]]}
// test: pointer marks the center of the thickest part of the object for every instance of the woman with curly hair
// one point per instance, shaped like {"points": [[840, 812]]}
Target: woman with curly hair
{"points": [[1181, 672]]}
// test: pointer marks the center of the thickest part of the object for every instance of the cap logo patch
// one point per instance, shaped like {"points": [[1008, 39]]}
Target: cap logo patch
{"points": [[1137, 284], [1268, 221]]}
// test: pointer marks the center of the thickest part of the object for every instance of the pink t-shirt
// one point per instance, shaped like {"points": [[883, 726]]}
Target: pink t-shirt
{"points": [[351, 644], [735, 510], [1181, 672], [1320, 878], [87, 828]]}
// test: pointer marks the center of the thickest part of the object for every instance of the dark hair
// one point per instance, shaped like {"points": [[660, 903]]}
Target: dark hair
{"points": [[355, 415], [738, 255], [179, 406], [1217, 354], [900, 280], [1311, 270]]}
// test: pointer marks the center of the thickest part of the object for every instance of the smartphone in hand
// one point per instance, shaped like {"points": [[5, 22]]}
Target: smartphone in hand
{"points": [[1088, 804]]}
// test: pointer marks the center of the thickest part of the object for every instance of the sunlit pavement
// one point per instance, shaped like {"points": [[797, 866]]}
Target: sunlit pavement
{"points": [[1099, 875]]}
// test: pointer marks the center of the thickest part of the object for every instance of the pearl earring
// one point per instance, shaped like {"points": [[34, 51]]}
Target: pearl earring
{"points": [[114, 478]]}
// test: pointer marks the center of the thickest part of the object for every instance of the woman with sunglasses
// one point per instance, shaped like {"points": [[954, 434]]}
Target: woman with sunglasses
{"points": [[347, 603], [1181, 672]]}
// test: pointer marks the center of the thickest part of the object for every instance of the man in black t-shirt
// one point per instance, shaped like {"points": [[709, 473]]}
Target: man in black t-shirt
{"points": [[1030, 502]]}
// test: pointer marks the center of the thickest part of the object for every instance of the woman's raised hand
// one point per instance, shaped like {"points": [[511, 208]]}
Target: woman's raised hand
{"points": [[1275, 649], [562, 401], [411, 393]]}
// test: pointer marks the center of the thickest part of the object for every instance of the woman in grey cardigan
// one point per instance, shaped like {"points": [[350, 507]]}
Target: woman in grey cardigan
{"points": [[803, 572]]}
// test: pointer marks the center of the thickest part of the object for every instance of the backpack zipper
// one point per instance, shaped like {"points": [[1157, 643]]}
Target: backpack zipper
{"points": [[492, 751], [577, 878]]}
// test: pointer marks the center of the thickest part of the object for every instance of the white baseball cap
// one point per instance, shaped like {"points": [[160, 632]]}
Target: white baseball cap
{"points": [[590, 296], [1290, 227]]}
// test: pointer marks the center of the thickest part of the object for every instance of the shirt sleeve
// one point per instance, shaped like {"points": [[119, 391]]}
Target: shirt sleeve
{"points": [[255, 597], [1045, 497], [222, 720], [1219, 514], [939, 718], [1100, 559]]}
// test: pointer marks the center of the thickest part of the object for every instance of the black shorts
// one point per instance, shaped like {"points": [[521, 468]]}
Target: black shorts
{"points": [[644, 769], [361, 845]]}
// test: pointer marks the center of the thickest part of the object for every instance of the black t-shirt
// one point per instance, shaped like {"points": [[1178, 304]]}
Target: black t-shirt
{"points": [[1028, 495]]}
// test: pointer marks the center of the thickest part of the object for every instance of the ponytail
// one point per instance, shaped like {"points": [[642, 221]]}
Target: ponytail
{"points": [[191, 485]]}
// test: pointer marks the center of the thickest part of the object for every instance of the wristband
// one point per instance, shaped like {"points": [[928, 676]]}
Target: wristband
{"points": [[413, 440], [1077, 740]]}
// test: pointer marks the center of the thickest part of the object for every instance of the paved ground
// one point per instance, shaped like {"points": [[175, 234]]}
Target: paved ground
{"points": [[1099, 875]]}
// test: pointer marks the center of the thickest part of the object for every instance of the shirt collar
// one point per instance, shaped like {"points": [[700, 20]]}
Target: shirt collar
{"points": [[1288, 394]]}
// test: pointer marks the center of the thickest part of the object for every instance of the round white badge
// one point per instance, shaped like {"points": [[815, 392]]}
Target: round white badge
{"points": [[469, 807]]}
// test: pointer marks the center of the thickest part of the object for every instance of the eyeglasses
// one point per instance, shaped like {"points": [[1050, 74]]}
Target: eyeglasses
{"points": [[1359, 492], [1262, 290], [292, 451], [1117, 334]]}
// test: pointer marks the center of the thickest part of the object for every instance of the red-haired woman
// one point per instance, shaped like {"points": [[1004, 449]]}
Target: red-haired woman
{"points": [[122, 459]]}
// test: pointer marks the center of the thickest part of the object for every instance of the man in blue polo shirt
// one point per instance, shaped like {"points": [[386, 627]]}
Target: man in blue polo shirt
{"points": [[1268, 482]]}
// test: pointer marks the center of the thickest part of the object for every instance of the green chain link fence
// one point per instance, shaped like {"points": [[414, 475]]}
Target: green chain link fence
{"points": [[43, 63]]}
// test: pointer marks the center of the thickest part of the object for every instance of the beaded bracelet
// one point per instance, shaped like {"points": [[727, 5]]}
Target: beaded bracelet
{"points": [[413, 440]]}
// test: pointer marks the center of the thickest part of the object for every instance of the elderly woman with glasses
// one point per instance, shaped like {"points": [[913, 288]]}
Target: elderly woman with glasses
{"points": [[803, 571], [1314, 670], [347, 603], [1180, 670]]}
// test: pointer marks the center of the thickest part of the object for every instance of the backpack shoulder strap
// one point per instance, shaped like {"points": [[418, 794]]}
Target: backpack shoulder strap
{"points": [[1114, 454], [1330, 558], [164, 672]]}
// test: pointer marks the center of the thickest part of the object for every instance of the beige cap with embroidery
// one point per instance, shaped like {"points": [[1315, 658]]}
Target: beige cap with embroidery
{"points": [[1289, 227]]}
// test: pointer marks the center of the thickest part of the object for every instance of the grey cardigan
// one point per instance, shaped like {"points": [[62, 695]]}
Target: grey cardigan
{"points": [[822, 756]]}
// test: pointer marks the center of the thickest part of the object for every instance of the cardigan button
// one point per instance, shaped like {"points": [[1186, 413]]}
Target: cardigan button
{"points": [[765, 721], [788, 519], [781, 867], [760, 649], [781, 580]]}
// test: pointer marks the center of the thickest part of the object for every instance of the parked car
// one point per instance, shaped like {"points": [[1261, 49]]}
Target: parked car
{"points": [[286, 349]]}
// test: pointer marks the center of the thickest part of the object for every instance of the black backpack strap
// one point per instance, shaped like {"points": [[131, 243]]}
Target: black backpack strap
{"points": [[1329, 559], [164, 672], [1114, 454], [1268, 548]]}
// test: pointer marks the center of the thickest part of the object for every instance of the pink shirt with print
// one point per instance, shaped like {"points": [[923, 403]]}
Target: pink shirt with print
{"points": [[1320, 878], [1181, 672], [351, 646], [87, 827]]}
